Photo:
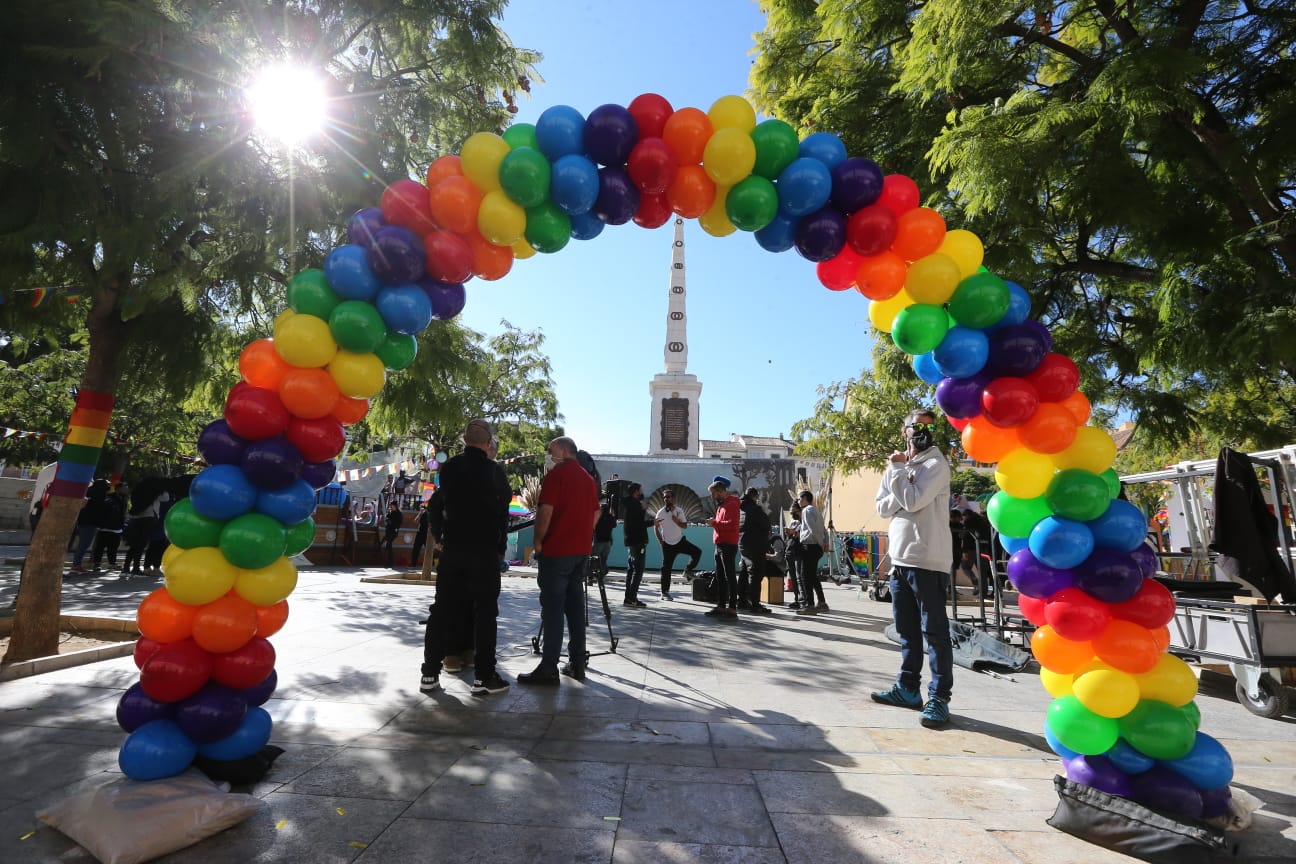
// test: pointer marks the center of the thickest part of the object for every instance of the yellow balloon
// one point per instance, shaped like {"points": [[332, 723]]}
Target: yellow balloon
{"points": [[966, 250], [200, 575], [883, 312], [500, 220], [1093, 450], [732, 112], [729, 156], [1057, 684], [1023, 473], [281, 318], [268, 585], [360, 376], [716, 221], [932, 279], [1105, 691], [480, 159], [1171, 680], [169, 555], [306, 341], [522, 250]]}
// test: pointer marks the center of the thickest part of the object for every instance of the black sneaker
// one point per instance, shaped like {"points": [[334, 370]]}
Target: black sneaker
{"points": [[717, 612], [430, 684], [744, 606], [542, 676], [493, 684], [666, 596], [571, 670], [729, 615], [761, 609]]}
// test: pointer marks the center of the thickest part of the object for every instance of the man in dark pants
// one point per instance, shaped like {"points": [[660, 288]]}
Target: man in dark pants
{"points": [[754, 545], [669, 526], [813, 536], [724, 533], [391, 530], [468, 520], [635, 534]]}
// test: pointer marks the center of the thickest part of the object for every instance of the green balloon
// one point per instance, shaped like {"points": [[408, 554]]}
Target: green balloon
{"points": [[521, 135], [752, 204], [1080, 729], [1160, 730], [1078, 494], [1112, 479], [1193, 713], [1015, 517], [252, 541], [524, 174], [919, 328], [397, 351], [309, 294], [188, 529], [980, 300], [548, 229], [299, 537], [357, 326], [776, 147]]}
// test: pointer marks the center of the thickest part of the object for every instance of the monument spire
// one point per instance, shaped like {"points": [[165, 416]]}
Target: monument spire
{"points": [[674, 424], [676, 347]]}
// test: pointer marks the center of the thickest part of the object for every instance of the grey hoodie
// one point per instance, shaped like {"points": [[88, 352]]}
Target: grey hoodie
{"points": [[914, 495]]}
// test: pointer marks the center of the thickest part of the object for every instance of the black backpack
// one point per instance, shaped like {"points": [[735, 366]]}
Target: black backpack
{"points": [[586, 461]]}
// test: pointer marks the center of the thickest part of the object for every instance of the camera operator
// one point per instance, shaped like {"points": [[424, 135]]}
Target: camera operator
{"points": [[635, 534], [602, 544]]}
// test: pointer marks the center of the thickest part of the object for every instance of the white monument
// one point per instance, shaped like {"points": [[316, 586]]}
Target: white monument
{"points": [[674, 425]]}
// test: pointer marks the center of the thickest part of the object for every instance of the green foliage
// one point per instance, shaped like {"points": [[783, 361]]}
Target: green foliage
{"points": [[971, 483]]}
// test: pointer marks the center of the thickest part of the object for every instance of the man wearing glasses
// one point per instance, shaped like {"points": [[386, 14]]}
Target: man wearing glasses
{"points": [[669, 525], [914, 495]]}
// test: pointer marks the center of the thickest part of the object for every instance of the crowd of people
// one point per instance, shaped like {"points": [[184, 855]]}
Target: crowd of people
{"points": [[112, 513]]}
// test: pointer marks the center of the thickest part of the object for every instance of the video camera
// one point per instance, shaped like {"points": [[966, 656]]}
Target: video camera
{"points": [[615, 491]]}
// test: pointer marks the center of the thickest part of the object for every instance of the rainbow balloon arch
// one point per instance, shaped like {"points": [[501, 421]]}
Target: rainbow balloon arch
{"points": [[1123, 718]]}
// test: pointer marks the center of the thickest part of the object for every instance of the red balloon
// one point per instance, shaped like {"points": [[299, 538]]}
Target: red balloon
{"points": [[406, 203], [246, 667], [652, 165], [1075, 615], [899, 193], [348, 411], [255, 413], [1152, 607], [1055, 378], [871, 229], [175, 671], [1033, 608], [1009, 402], [144, 649], [654, 210], [650, 113], [318, 440], [449, 257], [957, 422], [838, 272]]}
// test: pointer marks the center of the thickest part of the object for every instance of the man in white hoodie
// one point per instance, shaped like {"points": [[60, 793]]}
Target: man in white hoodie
{"points": [[914, 495]]}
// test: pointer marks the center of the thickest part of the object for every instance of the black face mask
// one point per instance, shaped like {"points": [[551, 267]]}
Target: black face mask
{"points": [[923, 436]]}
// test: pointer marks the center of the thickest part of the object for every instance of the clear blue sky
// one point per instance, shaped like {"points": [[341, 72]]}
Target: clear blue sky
{"points": [[763, 333]]}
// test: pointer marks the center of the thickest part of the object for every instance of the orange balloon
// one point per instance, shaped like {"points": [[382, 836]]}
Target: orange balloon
{"points": [[446, 166], [1161, 636], [692, 192], [1051, 429], [270, 619], [1127, 646], [309, 393], [1060, 655], [225, 624], [261, 366], [880, 277], [919, 233], [686, 133], [162, 618], [348, 411], [986, 442], [1078, 404], [455, 202], [490, 262]]}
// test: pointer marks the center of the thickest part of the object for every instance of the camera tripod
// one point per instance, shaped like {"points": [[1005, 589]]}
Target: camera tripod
{"points": [[596, 571]]}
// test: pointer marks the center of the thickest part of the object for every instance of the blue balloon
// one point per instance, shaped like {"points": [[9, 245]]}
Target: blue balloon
{"points": [[560, 131], [349, 275], [405, 309], [137, 708], [610, 134], [1061, 543], [821, 235], [1128, 758], [1121, 527], [826, 148], [804, 187], [777, 236], [586, 226], [155, 750], [252, 734], [290, 504], [962, 353], [222, 492], [1013, 545], [1058, 747], [574, 184], [1019, 305], [213, 713], [447, 298], [925, 366]]}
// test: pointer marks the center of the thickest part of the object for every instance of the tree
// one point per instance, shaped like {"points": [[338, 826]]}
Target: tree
{"points": [[1130, 163], [133, 176]]}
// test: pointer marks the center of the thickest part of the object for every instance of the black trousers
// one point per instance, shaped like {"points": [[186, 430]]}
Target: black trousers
{"points": [[468, 582], [753, 572], [726, 559], [811, 586], [669, 552], [106, 541]]}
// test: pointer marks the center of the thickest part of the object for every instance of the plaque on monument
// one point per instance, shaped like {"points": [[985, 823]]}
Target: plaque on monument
{"points": [[675, 424]]}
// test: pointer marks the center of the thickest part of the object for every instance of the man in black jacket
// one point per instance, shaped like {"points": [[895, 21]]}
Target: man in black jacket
{"points": [[753, 543], [635, 534], [468, 521]]}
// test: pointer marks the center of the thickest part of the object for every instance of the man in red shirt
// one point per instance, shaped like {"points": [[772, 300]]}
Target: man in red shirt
{"points": [[564, 531], [724, 531]]}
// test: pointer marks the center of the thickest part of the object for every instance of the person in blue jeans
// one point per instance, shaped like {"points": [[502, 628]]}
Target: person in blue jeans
{"points": [[914, 495]]}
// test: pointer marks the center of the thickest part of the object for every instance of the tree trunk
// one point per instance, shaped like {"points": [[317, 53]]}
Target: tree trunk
{"points": [[36, 619]]}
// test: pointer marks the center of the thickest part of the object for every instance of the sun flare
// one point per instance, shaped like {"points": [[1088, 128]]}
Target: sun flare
{"points": [[288, 103]]}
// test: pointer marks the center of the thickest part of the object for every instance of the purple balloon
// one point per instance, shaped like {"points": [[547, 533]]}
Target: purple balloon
{"points": [[364, 225], [1146, 558], [258, 695], [1034, 578], [610, 134], [447, 298], [1110, 575], [272, 463], [1041, 331], [1015, 351], [1215, 802], [319, 474], [821, 235], [218, 445], [137, 708], [213, 713], [618, 197], [856, 183], [1100, 773], [396, 255], [961, 397], [1162, 789]]}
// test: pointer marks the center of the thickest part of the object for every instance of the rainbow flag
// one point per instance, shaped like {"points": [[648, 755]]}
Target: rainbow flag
{"points": [[517, 508], [85, 438]]}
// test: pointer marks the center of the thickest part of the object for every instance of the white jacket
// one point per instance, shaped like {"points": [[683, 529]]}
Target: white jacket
{"points": [[914, 495]]}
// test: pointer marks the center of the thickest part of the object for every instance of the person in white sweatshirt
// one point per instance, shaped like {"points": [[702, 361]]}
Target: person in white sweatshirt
{"points": [[914, 495]]}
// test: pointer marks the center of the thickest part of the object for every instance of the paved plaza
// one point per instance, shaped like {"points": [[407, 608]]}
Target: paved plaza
{"points": [[753, 741]]}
